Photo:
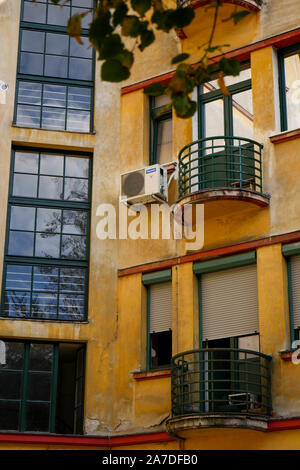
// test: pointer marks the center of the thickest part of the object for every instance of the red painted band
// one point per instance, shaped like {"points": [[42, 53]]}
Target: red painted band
{"points": [[243, 53], [210, 254]]}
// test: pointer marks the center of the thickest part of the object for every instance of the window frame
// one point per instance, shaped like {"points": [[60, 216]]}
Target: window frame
{"points": [[54, 382], [40, 261], [155, 120], [40, 79], [148, 280], [289, 250], [282, 53]]}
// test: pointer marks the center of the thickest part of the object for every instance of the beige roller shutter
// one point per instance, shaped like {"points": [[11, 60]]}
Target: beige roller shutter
{"points": [[160, 307], [295, 275], [229, 303]]}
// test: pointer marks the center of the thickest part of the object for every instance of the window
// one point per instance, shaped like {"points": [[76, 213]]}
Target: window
{"points": [[220, 115], [159, 318], [55, 73], [41, 386], [46, 261], [294, 297], [289, 86], [160, 130]]}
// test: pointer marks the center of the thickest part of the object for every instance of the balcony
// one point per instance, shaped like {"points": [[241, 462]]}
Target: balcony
{"points": [[221, 168], [220, 387], [251, 5]]}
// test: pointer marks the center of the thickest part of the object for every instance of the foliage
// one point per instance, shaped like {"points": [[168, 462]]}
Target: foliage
{"points": [[121, 26]]}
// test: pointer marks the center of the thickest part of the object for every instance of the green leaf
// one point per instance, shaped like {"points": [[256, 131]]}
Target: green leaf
{"points": [[239, 15], [184, 106], [110, 47], [181, 17], [119, 14], [147, 38], [141, 6], [180, 58], [230, 66], [99, 28], [74, 26], [131, 26], [126, 58], [156, 89], [113, 71]]}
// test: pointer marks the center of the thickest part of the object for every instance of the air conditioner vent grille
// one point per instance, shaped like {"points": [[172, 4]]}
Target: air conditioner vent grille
{"points": [[133, 183]]}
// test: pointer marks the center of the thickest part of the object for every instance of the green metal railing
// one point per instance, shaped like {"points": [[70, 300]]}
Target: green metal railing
{"points": [[220, 162], [221, 380]]}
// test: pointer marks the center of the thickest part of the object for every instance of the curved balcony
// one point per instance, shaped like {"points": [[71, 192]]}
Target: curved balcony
{"points": [[221, 168], [220, 387], [251, 5]]}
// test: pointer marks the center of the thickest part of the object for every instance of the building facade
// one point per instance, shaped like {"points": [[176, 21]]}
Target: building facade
{"points": [[138, 342]]}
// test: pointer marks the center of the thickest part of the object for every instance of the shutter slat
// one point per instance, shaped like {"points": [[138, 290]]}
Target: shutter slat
{"points": [[295, 274], [229, 303], [160, 307]]}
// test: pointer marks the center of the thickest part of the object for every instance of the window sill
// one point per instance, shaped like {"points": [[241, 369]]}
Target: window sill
{"points": [[285, 136], [46, 320], [286, 355], [153, 374], [53, 130]]}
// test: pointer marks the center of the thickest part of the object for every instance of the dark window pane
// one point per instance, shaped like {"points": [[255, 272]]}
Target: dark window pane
{"points": [[10, 384], [72, 280], [30, 93], [56, 66], [26, 162], [41, 357], [32, 41], [25, 185], [76, 166], [44, 306], [81, 50], [39, 386], [57, 44], [14, 355], [74, 222], [73, 247], [54, 95], [45, 278], [82, 3], [52, 164], [22, 218], [18, 277], [47, 245], [9, 415], [48, 220], [161, 348], [53, 118], [28, 116], [80, 69], [34, 12], [31, 63], [79, 98], [20, 244], [71, 306], [58, 15], [76, 189], [37, 417], [51, 187], [17, 304], [78, 121]]}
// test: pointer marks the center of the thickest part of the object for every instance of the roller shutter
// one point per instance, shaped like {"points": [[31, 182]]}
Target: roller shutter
{"points": [[160, 307]]}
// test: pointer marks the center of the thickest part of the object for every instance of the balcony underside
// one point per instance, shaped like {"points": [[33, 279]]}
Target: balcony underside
{"points": [[208, 195], [251, 5], [186, 423]]}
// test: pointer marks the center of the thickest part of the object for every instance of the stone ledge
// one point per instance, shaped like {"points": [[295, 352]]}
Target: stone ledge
{"points": [[207, 195]]}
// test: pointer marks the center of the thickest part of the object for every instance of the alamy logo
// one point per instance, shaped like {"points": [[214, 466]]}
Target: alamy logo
{"points": [[3, 90], [296, 353]]}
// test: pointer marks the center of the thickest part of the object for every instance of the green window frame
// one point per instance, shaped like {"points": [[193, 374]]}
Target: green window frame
{"points": [[292, 249], [148, 281], [282, 54], [45, 274], [55, 75], [216, 94], [30, 372], [158, 114]]}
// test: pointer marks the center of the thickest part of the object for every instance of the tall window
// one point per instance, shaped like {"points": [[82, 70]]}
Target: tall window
{"points": [[289, 87], [220, 115], [55, 74], [160, 130], [294, 296], [159, 318], [41, 386], [46, 260]]}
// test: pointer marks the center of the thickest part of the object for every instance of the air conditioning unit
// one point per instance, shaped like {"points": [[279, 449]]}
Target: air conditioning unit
{"points": [[148, 184]]}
